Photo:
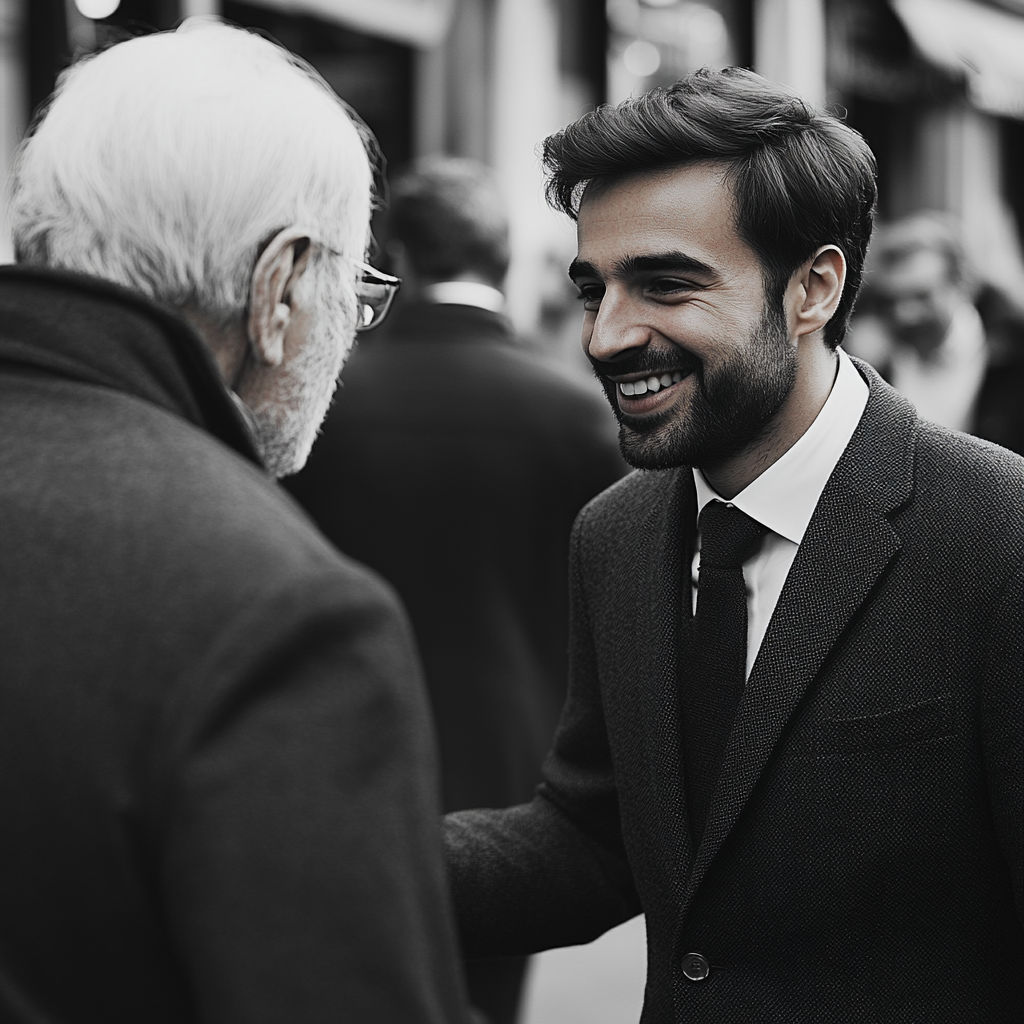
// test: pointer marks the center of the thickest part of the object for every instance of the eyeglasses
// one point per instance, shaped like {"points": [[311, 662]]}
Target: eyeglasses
{"points": [[374, 292]]}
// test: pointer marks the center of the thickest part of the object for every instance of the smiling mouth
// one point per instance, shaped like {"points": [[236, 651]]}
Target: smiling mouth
{"points": [[652, 384]]}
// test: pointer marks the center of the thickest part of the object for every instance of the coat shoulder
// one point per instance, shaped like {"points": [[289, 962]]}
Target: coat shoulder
{"points": [[137, 501], [976, 462], [977, 487], [634, 495]]}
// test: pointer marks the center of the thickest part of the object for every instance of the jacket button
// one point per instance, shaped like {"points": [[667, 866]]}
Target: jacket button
{"points": [[695, 967]]}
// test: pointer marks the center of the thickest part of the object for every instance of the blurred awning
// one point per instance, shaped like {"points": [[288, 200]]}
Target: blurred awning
{"points": [[420, 23], [979, 43]]}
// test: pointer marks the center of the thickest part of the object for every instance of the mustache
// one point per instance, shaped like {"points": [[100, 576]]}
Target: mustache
{"points": [[644, 361]]}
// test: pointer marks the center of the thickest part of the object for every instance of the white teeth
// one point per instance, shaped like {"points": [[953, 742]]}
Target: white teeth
{"points": [[652, 384]]}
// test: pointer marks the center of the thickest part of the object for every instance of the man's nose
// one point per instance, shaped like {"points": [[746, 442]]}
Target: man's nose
{"points": [[618, 328]]}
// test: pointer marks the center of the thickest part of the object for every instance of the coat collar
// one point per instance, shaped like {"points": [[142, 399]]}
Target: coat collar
{"points": [[419, 322], [848, 545], [83, 328]]}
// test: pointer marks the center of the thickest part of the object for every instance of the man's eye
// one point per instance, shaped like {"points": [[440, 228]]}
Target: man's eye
{"points": [[590, 295], [666, 286]]}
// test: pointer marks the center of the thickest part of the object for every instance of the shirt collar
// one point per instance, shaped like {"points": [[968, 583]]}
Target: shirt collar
{"points": [[464, 293], [784, 496]]}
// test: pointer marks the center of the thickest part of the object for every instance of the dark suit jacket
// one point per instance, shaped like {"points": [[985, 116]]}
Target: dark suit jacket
{"points": [[863, 852], [216, 775], [454, 462]]}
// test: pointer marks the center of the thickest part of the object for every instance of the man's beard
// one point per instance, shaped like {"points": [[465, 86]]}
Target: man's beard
{"points": [[286, 427], [729, 408]]}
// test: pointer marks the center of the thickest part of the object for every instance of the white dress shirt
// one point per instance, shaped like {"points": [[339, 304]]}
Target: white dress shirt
{"points": [[464, 293], [784, 496]]}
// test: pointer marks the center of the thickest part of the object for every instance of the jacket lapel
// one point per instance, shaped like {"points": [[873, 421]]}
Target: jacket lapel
{"points": [[848, 544], [649, 659]]}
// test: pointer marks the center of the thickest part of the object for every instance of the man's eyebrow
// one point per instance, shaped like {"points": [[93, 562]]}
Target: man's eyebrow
{"points": [[580, 268], [679, 262]]}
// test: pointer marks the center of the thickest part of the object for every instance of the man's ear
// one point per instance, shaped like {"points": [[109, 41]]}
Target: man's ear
{"points": [[820, 287], [272, 292]]}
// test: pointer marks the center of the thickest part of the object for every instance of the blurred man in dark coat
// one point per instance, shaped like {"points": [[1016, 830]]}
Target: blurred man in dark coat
{"points": [[454, 462], [217, 791]]}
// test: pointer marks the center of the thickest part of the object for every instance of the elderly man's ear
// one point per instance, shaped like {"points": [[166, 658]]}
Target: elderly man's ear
{"points": [[277, 295]]}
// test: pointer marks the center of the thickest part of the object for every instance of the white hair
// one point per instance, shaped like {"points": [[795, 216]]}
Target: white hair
{"points": [[167, 162]]}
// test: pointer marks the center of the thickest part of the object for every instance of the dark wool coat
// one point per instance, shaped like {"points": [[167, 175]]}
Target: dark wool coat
{"points": [[862, 859], [216, 776], [454, 462]]}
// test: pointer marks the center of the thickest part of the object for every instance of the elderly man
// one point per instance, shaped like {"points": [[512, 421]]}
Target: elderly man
{"points": [[793, 735], [217, 783]]}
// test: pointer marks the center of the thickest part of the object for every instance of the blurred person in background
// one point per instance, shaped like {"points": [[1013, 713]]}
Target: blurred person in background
{"points": [[921, 292], [956, 351], [794, 731], [217, 780], [453, 462]]}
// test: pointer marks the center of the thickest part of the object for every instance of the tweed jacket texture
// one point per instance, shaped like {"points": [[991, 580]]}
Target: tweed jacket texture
{"points": [[862, 858], [217, 791], [471, 457]]}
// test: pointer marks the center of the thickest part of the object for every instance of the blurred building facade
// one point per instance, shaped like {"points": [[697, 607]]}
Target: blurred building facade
{"points": [[937, 86]]}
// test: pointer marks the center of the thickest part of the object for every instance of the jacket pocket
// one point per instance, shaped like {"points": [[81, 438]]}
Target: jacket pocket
{"points": [[928, 720]]}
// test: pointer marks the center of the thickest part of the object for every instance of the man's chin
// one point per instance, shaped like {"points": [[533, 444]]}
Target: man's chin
{"points": [[649, 449], [292, 453], [924, 342], [283, 441], [287, 466], [281, 461]]}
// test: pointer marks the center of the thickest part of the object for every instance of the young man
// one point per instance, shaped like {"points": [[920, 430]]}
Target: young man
{"points": [[218, 787], [793, 731]]}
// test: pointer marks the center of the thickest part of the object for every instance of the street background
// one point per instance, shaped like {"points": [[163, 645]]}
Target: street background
{"points": [[936, 87]]}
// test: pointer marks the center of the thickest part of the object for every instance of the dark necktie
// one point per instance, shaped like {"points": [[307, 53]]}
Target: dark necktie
{"points": [[714, 672]]}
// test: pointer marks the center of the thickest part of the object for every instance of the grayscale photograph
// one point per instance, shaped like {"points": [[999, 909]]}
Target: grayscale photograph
{"points": [[512, 512]]}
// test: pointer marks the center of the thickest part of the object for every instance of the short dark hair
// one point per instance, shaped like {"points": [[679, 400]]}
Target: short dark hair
{"points": [[801, 178], [449, 215]]}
